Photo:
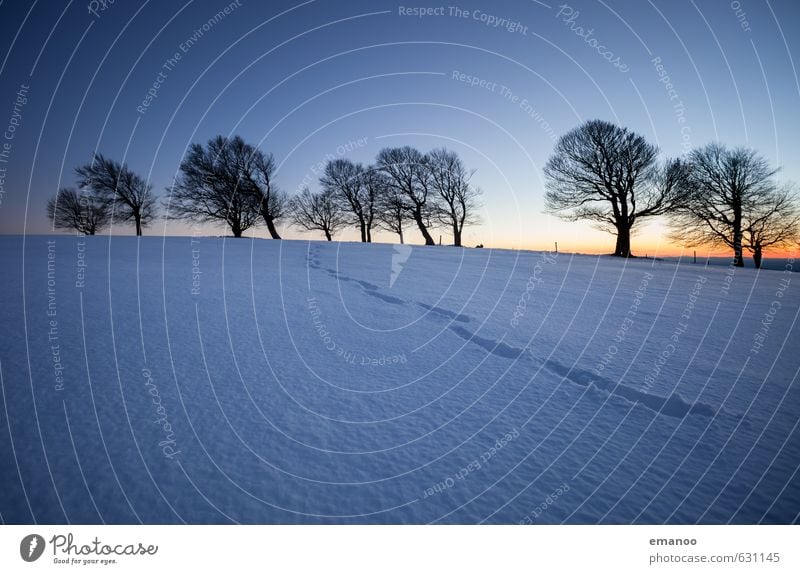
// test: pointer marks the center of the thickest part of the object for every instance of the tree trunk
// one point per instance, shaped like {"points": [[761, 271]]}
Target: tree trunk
{"points": [[456, 235], [623, 247], [236, 228], [424, 230], [328, 235], [738, 256], [369, 234], [400, 233], [271, 228], [138, 224], [757, 256], [363, 227]]}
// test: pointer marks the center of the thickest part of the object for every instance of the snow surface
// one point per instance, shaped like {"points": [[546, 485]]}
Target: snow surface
{"points": [[220, 380]]}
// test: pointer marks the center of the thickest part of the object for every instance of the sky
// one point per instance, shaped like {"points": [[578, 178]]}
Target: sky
{"points": [[497, 82]]}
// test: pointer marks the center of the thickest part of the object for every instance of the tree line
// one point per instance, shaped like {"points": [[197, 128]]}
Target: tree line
{"points": [[228, 181], [600, 172], [718, 196]]}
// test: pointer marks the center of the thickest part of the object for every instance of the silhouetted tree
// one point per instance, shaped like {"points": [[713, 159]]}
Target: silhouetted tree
{"points": [[128, 196], [257, 177], [375, 187], [456, 200], [318, 212], [772, 223], [724, 188], [406, 171], [84, 213], [212, 186], [609, 175], [391, 211], [356, 190]]}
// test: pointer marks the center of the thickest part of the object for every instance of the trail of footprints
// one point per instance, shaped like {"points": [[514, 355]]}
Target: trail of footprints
{"points": [[672, 406]]}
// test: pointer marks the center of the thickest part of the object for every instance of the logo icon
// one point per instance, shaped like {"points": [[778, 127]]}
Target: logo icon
{"points": [[400, 255], [31, 547]]}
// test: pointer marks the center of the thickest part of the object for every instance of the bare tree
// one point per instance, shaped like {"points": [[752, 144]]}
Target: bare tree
{"points": [[83, 213], [212, 187], [355, 188], [318, 212], [375, 186], [457, 200], [406, 171], [724, 188], [129, 196], [772, 222], [257, 175], [391, 211], [609, 175]]}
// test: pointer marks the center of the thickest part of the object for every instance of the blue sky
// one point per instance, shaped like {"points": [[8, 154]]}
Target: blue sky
{"points": [[326, 78]]}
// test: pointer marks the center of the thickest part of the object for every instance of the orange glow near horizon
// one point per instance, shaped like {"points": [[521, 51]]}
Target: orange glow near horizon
{"points": [[651, 240], [642, 249]]}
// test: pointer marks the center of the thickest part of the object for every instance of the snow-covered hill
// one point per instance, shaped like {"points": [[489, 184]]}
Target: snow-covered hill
{"points": [[208, 380]]}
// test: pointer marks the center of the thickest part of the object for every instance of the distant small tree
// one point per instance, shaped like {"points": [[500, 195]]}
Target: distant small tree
{"points": [[355, 189], [456, 199], [318, 212], [724, 189], [609, 175], [212, 186], [83, 213], [406, 171], [772, 223], [129, 196]]}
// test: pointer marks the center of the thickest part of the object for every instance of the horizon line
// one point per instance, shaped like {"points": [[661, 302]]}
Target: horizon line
{"points": [[678, 253]]}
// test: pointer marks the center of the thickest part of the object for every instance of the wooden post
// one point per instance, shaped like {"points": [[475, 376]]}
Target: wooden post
{"points": [[556, 247], [695, 257]]}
